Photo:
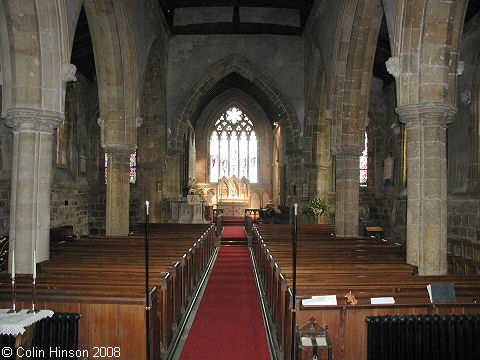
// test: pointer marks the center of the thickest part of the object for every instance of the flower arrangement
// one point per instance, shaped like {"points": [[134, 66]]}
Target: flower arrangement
{"points": [[316, 206]]}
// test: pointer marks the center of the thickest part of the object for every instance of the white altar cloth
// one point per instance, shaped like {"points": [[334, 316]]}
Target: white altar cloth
{"points": [[16, 323]]}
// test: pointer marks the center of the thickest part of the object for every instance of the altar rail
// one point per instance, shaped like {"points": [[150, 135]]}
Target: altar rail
{"points": [[328, 265], [103, 279]]}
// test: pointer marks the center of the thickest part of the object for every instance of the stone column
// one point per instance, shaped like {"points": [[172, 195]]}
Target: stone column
{"points": [[118, 190], [323, 179], [31, 180], [426, 126], [347, 190]]}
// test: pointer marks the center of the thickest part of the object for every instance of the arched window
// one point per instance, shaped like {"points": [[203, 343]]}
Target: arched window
{"points": [[133, 167], [233, 147], [364, 162]]}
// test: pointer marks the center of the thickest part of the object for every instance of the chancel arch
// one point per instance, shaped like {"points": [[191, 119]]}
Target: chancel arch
{"points": [[234, 71], [261, 124]]}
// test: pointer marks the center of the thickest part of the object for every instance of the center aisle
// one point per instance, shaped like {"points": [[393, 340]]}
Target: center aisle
{"points": [[228, 323]]}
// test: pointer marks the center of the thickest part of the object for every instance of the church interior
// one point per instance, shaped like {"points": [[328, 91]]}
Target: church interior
{"points": [[151, 148]]}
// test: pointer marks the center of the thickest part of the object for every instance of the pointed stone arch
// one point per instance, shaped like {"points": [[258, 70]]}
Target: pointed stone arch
{"points": [[280, 105], [355, 44], [116, 65], [42, 48]]}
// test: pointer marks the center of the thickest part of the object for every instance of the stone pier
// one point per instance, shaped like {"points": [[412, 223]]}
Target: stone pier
{"points": [[347, 191], [30, 184], [426, 126], [118, 190]]}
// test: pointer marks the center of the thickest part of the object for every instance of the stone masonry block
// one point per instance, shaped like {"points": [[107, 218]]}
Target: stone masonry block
{"points": [[439, 11]]}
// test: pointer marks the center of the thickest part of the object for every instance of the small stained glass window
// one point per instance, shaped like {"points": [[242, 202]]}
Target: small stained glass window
{"points": [[133, 168], [364, 163]]}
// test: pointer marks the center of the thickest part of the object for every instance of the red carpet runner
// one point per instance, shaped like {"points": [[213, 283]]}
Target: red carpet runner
{"points": [[228, 323], [233, 232]]}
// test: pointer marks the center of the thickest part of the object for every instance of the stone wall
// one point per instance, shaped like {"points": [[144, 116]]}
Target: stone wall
{"points": [[391, 213], [137, 206], [463, 218], [279, 57], [96, 210], [383, 202], [463, 131], [69, 206], [76, 160]]}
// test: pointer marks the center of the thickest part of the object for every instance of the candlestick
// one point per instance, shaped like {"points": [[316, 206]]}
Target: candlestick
{"points": [[34, 265], [34, 295], [13, 309], [13, 262]]}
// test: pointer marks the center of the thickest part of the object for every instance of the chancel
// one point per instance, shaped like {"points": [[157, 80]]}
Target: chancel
{"points": [[289, 152]]}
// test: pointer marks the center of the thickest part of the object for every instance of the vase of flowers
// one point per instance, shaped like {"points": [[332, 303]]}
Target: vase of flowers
{"points": [[316, 206]]}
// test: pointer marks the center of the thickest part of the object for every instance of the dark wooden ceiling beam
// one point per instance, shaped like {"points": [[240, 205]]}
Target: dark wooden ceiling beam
{"points": [[231, 28], [282, 4]]}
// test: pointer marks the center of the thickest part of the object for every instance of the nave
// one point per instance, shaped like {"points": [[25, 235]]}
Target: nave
{"points": [[103, 280]]}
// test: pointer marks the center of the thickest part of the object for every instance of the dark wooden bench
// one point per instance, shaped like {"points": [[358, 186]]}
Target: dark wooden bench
{"points": [[329, 265], [111, 270]]}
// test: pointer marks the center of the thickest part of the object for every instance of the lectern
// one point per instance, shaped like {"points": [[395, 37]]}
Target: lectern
{"points": [[313, 342]]}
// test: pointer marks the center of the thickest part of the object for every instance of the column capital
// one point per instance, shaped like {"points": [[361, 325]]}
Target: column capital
{"points": [[33, 120], [120, 149], [426, 114]]}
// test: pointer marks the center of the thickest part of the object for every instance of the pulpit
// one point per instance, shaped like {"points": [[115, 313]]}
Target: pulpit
{"points": [[188, 211]]}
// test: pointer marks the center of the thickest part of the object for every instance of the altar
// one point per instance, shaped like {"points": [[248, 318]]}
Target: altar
{"points": [[233, 196], [231, 208]]}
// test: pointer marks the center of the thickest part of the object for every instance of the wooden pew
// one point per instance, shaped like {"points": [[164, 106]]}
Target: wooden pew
{"points": [[327, 265], [91, 273]]}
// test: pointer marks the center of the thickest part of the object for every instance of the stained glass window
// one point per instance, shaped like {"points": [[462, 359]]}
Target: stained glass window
{"points": [[106, 167], [233, 147], [133, 167], [364, 163], [214, 159]]}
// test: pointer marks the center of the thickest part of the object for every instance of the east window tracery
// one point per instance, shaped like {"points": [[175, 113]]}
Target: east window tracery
{"points": [[233, 147]]}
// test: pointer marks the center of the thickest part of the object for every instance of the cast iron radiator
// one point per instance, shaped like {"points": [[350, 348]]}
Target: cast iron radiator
{"points": [[7, 341], [423, 337], [55, 334]]}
